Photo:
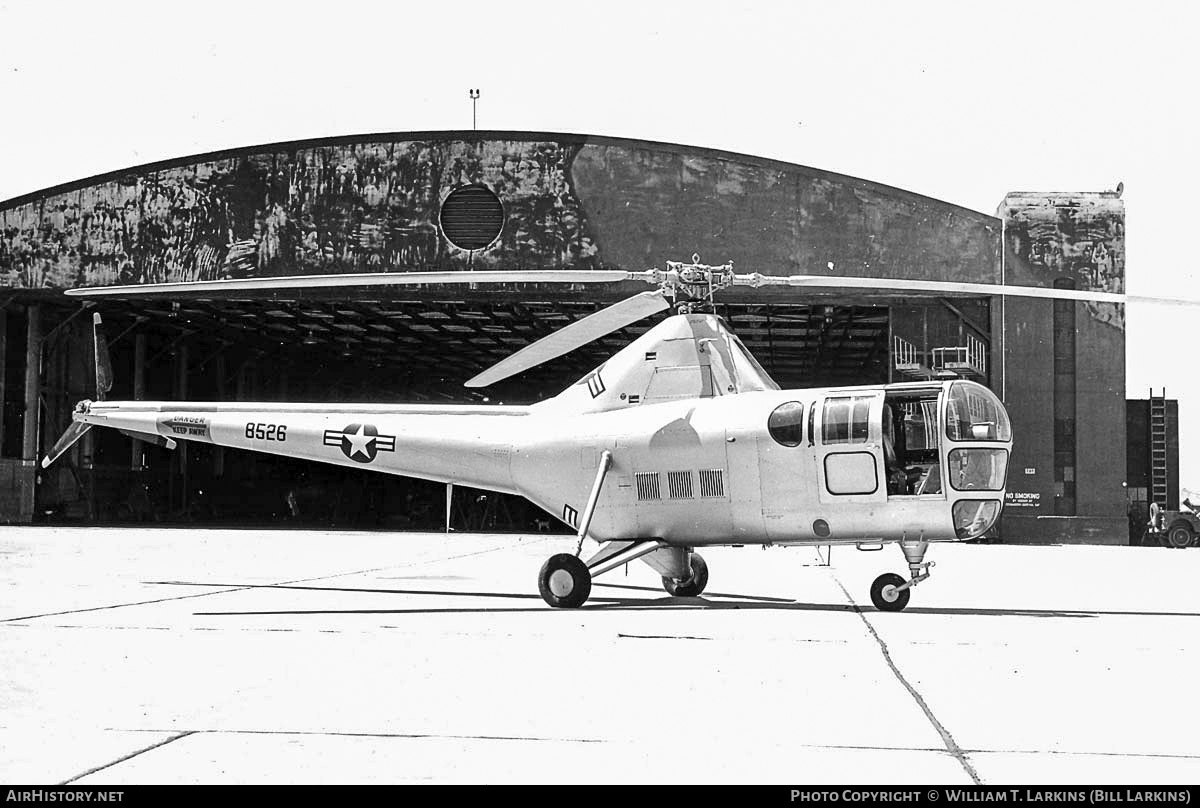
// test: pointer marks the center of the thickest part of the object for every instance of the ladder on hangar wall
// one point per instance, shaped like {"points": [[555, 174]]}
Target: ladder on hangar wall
{"points": [[1158, 448]]}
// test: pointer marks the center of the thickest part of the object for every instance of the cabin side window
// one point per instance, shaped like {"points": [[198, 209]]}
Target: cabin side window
{"points": [[786, 423], [844, 419]]}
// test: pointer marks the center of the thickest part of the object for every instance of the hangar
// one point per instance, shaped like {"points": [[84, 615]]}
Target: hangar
{"points": [[464, 201]]}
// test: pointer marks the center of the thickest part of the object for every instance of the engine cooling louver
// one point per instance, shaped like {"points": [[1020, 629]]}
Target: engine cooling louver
{"points": [[712, 483], [647, 485], [680, 484]]}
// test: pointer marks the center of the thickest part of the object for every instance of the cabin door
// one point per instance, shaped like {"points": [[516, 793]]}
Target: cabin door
{"points": [[849, 434]]}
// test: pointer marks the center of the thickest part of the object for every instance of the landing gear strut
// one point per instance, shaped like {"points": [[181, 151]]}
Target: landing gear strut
{"points": [[890, 592]]}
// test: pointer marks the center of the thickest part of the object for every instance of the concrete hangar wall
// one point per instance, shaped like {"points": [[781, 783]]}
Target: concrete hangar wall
{"points": [[387, 202]]}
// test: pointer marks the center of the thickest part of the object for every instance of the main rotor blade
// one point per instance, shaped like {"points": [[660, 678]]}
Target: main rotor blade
{"points": [[944, 288], [575, 335], [228, 286]]}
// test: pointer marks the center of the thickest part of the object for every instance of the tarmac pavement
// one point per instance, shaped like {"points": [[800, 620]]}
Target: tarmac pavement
{"points": [[218, 656]]}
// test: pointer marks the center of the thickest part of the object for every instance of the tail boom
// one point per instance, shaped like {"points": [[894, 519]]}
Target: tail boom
{"points": [[464, 445]]}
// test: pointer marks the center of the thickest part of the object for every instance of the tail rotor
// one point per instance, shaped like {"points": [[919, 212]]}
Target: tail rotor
{"points": [[104, 383]]}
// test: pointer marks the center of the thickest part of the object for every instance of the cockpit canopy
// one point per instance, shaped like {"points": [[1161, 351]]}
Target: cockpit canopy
{"points": [[973, 413]]}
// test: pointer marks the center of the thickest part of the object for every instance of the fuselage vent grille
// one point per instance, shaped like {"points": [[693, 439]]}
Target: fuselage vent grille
{"points": [[680, 484], [647, 485], [712, 482]]}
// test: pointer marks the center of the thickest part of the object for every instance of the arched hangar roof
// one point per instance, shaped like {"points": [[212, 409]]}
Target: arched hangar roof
{"points": [[379, 202]]}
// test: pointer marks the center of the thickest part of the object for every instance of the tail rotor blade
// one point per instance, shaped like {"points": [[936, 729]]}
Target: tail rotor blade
{"points": [[74, 432], [575, 335], [104, 373]]}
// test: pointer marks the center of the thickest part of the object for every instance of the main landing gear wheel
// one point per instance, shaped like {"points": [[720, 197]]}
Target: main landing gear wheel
{"points": [[1179, 536], [564, 581], [694, 585], [884, 594]]}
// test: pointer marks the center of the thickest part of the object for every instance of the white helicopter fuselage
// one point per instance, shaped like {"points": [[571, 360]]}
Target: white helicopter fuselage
{"points": [[689, 473]]}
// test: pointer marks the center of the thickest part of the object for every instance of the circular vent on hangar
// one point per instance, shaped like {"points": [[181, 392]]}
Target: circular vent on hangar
{"points": [[472, 217]]}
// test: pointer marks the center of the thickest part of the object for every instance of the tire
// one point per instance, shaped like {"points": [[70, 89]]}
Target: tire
{"points": [[694, 585], [898, 600], [564, 581], [1179, 535]]}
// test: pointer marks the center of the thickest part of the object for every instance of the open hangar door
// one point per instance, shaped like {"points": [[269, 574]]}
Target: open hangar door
{"points": [[419, 348]]}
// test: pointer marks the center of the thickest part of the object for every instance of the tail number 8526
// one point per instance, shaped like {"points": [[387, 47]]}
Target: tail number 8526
{"points": [[266, 431]]}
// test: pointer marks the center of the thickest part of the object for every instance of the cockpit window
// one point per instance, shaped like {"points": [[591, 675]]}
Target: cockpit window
{"points": [[786, 423], [978, 469], [974, 413], [844, 420]]}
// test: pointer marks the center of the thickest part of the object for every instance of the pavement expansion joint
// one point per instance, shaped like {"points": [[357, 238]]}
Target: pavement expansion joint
{"points": [[1084, 752], [130, 756], [350, 734], [226, 589], [951, 745]]}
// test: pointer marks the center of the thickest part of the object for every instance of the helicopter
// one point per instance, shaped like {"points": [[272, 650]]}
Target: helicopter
{"points": [[679, 441]]}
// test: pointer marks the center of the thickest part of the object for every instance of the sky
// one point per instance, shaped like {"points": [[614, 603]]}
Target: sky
{"points": [[961, 101]]}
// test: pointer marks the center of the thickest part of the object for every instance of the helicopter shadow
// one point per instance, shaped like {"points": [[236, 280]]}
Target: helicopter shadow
{"points": [[595, 603], [711, 602]]}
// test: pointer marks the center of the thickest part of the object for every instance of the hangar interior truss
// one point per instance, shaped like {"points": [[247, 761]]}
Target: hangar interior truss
{"points": [[357, 348]]}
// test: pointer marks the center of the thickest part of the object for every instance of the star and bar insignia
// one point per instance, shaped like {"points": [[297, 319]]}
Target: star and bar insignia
{"points": [[360, 442]]}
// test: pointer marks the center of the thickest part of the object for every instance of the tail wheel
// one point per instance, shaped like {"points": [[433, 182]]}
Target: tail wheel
{"points": [[1180, 535], [694, 585], [885, 595], [564, 581]]}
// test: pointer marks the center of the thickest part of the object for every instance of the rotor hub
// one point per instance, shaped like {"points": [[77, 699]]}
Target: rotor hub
{"points": [[692, 285]]}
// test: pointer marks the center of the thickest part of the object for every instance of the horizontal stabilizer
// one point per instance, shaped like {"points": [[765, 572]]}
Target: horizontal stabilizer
{"points": [[74, 432]]}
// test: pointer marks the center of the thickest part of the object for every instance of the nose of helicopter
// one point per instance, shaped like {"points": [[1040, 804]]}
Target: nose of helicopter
{"points": [[980, 439], [974, 517]]}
